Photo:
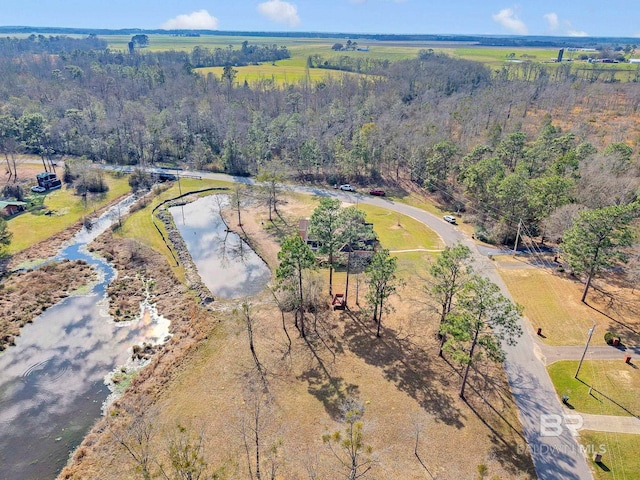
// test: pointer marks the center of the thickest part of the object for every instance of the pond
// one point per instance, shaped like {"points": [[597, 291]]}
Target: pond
{"points": [[226, 264], [52, 382]]}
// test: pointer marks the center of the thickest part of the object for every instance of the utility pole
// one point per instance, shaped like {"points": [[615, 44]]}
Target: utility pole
{"points": [[585, 350], [178, 175], [515, 247]]}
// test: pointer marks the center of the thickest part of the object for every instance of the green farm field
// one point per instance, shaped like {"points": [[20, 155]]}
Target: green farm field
{"points": [[277, 73], [294, 69]]}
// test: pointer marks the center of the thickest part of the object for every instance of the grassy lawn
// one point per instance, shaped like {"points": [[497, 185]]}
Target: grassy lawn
{"points": [[620, 458], [400, 232], [552, 302], [67, 207], [615, 386]]}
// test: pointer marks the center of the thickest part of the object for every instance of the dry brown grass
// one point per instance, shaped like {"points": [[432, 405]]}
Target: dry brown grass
{"points": [[25, 295], [403, 383], [26, 173], [552, 302]]}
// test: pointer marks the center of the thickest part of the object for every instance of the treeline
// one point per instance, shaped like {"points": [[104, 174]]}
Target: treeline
{"points": [[245, 55], [10, 46], [349, 64], [479, 139]]}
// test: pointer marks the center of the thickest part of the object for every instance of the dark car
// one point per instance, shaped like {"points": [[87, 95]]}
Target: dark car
{"points": [[377, 192]]}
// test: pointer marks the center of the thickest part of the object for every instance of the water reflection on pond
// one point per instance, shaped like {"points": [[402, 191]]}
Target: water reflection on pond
{"points": [[227, 266], [52, 381]]}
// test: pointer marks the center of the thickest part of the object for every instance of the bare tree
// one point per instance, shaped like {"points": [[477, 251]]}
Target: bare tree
{"points": [[135, 434], [250, 323], [281, 307], [261, 443]]}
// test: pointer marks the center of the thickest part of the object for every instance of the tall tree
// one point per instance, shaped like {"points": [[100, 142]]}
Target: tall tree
{"points": [[324, 226], [295, 258], [597, 239], [9, 142], [449, 273], [271, 179], [355, 234], [483, 319], [382, 283]]}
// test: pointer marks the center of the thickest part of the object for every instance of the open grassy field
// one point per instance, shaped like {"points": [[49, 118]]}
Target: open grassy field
{"points": [[400, 232], [552, 302], [495, 56], [300, 48], [67, 208], [277, 73], [293, 69], [620, 459], [615, 386]]}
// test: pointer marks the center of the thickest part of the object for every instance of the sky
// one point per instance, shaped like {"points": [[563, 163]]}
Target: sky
{"points": [[611, 18]]}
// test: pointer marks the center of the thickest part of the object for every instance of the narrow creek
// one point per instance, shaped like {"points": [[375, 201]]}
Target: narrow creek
{"points": [[52, 382], [225, 263]]}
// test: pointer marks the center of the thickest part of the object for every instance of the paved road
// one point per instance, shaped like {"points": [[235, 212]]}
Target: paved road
{"points": [[549, 354], [555, 457], [609, 423]]}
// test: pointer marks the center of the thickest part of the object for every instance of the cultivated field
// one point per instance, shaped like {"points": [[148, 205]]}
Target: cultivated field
{"points": [[294, 69]]}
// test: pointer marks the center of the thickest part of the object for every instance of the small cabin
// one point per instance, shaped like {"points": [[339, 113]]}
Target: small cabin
{"points": [[8, 208], [48, 180]]}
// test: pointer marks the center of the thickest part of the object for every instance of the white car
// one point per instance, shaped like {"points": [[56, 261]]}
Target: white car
{"points": [[38, 189], [347, 188], [450, 218]]}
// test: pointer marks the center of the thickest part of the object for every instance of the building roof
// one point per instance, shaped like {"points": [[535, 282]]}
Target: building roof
{"points": [[46, 175], [6, 203]]}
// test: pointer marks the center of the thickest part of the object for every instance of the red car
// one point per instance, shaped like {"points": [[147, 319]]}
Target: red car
{"points": [[377, 192]]}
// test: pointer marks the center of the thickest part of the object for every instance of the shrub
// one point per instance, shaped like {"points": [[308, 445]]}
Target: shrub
{"points": [[608, 337], [140, 180], [13, 190]]}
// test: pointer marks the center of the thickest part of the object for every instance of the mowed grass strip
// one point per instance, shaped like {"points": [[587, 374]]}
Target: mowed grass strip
{"points": [[552, 302], [615, 386], [139, 225], [620, 459], [67, 207]]}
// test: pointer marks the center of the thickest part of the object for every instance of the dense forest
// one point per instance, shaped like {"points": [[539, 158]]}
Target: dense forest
{"points": [[524, 142]]}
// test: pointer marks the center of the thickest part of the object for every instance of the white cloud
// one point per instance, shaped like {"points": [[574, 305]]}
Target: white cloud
{"points": [[572, 32], [552, 21], [509, 20], [281, 12], [200, 20]]}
